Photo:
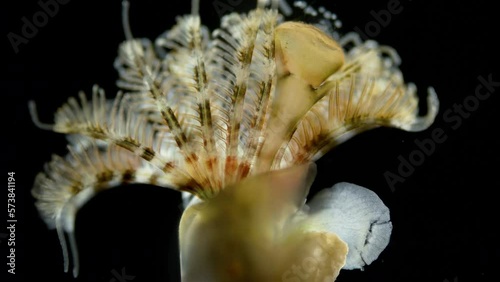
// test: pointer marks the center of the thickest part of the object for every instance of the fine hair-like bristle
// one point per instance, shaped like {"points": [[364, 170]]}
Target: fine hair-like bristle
{"points": [[200, 111]]}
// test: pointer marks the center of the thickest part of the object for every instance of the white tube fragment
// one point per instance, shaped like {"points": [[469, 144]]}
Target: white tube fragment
{"points": [[357, 216]]}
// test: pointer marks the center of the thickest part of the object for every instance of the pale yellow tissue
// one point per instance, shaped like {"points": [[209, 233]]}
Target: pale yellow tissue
{"points": [[306, 51], [245, 233], [305, 58]]}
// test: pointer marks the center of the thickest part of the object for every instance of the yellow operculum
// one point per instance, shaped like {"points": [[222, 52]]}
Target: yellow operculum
{"points": [[307, 52], [305, 58]]}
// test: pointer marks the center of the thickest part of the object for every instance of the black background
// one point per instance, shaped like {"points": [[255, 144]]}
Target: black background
{"points": [[444, 213]]}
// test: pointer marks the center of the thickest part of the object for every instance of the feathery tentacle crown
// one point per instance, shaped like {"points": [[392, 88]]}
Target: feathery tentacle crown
{"points": [[200, 111]]}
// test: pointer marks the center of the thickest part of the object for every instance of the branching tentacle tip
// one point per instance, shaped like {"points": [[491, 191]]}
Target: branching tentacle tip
{"points": [[432, 104], [125, 20], [423, 122], [34, 117], [195, 7]]}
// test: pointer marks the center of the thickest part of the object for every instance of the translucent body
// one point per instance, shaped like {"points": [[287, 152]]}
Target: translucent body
{"points": [[205, 112]]}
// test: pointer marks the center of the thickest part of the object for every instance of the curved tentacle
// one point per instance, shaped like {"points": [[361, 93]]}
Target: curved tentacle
{"points": [[70, 182]]}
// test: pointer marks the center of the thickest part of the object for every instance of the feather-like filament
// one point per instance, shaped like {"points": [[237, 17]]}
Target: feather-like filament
{"points": [[203, 111]]}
